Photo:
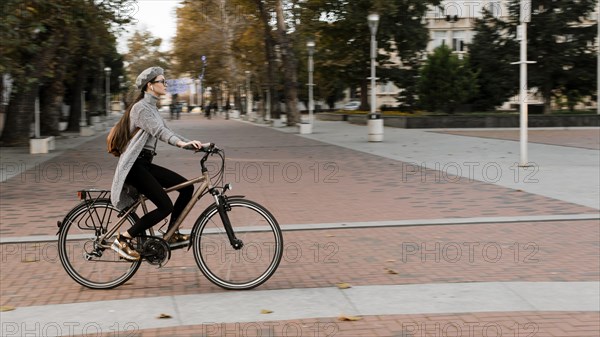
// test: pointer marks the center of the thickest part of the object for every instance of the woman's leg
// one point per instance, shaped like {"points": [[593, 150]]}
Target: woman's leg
{"points": [[168, 178], [144, 179]]}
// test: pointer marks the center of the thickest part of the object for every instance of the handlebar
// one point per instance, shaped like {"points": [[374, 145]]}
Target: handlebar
{"points": [[210, 148]]}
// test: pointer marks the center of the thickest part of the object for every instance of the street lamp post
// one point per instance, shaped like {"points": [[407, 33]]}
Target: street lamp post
{"points": [[107, 92], [248, 102], [198, 91], [202, 79], [121, 93], [375, 123], [310, 45]]}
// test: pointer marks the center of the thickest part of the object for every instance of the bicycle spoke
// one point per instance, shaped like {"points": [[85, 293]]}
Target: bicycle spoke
{"points": [[78, 240], [252, 263]]}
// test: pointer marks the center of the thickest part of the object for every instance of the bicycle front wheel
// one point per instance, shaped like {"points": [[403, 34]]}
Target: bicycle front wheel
{"points": [[85, 258], [246, 267]]}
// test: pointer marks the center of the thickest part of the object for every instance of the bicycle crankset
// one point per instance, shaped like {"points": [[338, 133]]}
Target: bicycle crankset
{"points": [[156, 251]]}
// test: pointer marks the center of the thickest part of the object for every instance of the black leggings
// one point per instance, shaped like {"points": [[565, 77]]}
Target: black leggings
{"points": [[150, 179]]}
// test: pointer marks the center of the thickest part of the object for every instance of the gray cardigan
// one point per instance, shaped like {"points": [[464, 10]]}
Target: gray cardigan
{"points": [[144, 115]]}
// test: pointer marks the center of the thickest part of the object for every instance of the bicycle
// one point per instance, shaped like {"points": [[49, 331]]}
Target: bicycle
{"points": [[237, 243]]}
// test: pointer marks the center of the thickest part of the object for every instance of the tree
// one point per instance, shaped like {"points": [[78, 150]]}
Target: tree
{"points": [[40, 44], [344, 41], [445, 82], [560, 41], [270, 43], [227, 33], [489, 52], [267, 36], [403, 22]]}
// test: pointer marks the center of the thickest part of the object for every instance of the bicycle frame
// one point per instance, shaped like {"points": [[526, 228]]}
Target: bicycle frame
{"points": [[204, 179], [206, 185]]}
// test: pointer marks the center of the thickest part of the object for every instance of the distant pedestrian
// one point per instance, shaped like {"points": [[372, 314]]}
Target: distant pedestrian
{"points": [[173, 107], [207, 110], [227, 108], [135, 168]]}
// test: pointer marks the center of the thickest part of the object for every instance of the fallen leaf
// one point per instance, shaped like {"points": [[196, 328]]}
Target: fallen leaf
{"points": [[349, 318], [391, 271], [29, 260], [343, 285], [163, 316], [390, 260], [265, 311], [6, 308], [330, 235]]}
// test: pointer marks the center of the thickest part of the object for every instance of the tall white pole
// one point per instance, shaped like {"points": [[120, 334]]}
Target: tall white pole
{"points": [[373, 84], [375, 121], [523, 96], [248, 91], [107, 90], [525, 17], [311, 46]]}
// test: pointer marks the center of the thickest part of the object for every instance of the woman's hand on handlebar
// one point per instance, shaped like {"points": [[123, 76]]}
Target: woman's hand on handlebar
{"points": [[193, 145]]}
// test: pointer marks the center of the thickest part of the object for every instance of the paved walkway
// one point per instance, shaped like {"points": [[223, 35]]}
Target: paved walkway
{"points": [[246, 307], [433, 231], [565, 170]]}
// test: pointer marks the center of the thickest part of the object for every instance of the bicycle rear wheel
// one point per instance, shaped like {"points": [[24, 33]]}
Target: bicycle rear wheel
{"points": [[246, 267], [84, 257]]}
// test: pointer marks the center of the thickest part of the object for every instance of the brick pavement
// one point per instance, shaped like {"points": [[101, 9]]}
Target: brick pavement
{"points": [[552, 251], [288, 174], [304, 181]]}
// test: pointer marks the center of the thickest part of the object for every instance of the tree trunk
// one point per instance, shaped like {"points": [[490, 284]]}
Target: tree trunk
{"points": [[19, 116], [364, 95], [237, 98], [547, 95], [228, 30], [289, 68], [76, 104], [98, 94], [51, 98], [271, 62]]}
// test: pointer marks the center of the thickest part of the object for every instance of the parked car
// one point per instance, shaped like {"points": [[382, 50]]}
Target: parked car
{"points": [[353, 105]]}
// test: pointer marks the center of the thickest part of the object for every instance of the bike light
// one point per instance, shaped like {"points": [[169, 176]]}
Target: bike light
{"points": [[228, 186]]}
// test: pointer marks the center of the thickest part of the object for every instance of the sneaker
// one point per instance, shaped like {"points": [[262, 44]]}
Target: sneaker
{"points": [[122, 246], [178, 238]]}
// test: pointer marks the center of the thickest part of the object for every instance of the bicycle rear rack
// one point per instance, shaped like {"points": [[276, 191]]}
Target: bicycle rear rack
{"points": [[93, 194]]}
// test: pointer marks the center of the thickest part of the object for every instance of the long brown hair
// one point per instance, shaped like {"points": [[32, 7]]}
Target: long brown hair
{"points": [[122, 132]]}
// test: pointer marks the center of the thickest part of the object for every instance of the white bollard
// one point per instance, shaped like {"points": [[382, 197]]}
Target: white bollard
{"points": [[305, 128], [375, 126]]}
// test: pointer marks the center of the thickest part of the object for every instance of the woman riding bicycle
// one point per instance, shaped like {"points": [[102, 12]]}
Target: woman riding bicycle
{"points": [[135, 168]]}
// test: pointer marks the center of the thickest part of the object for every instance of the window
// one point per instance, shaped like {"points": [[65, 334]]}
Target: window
{"points": [[439, 38], [458, 40]]}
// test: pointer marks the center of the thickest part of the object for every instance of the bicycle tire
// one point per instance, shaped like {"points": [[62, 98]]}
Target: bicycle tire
{"points": [[229, 268], [76, 238]]}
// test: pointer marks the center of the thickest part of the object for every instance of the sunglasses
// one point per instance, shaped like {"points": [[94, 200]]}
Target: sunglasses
{"points": [[164, 82]]}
